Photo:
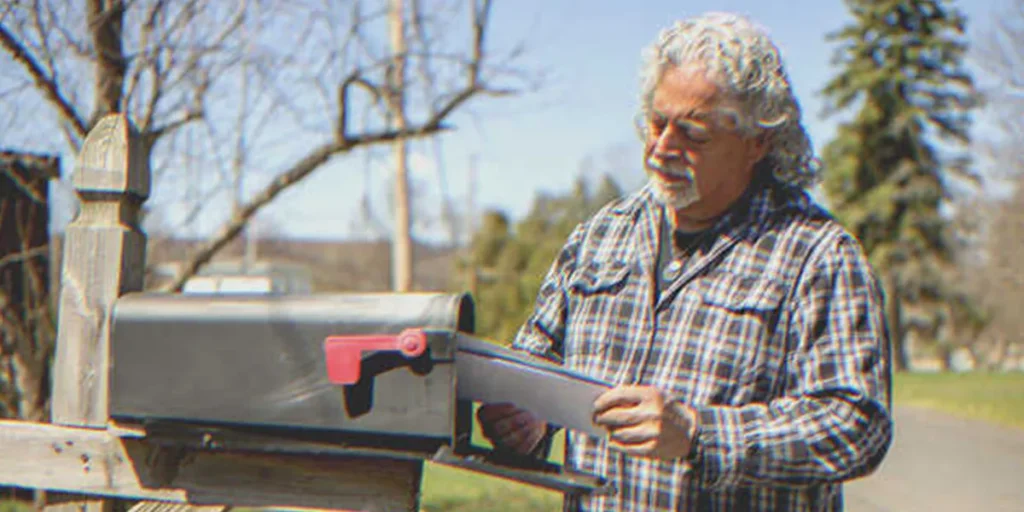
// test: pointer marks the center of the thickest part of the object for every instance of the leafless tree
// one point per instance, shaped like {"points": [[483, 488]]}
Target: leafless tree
{"points": [[26, 319], [358, 77], [1000, 55], [153, 59], [317, 76], [993, 274]]}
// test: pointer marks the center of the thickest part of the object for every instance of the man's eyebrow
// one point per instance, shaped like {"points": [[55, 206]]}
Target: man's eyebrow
{"points": [[695, 114]]}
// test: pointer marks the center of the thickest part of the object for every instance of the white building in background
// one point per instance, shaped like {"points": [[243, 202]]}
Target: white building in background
{"points": [[237, 277]]}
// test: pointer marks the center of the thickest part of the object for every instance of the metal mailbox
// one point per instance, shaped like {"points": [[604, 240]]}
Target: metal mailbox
{"points": [[352, 373]]}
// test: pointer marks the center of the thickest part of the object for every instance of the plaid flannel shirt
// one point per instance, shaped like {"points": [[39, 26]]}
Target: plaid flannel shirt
{"points": [[774, 333]]}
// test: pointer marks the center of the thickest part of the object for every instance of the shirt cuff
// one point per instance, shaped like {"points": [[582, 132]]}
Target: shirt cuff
{"points": [[724, 446], [543, 449]]}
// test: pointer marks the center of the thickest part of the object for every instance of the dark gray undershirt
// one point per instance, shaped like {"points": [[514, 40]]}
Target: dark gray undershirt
{"points": [[674, 248]]}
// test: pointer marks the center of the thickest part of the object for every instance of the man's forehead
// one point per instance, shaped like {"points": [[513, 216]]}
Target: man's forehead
{"points": [[686, 92], [696, 111]]}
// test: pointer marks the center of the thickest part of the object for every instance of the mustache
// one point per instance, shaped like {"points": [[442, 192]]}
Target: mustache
{"points": [[673, 167]]}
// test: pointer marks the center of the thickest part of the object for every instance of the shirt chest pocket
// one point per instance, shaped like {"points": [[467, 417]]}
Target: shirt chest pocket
{"points": [[604, 301], [738, 317]]}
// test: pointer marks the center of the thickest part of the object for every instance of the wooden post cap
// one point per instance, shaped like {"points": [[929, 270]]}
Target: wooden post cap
{"points": [[112, 159]]}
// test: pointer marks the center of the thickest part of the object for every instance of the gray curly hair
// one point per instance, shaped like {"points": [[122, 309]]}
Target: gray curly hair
{"points": [[742, 60]]}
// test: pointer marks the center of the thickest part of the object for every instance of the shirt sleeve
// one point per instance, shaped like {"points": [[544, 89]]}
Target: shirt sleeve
{"points": [[833, 422], [543, 332]]}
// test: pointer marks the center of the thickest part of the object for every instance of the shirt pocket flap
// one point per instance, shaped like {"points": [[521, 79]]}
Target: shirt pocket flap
{"points": [[742, 292], [600, 276]]}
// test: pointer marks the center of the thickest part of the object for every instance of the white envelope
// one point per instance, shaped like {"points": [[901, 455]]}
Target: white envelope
{"points": [[489, 373]]}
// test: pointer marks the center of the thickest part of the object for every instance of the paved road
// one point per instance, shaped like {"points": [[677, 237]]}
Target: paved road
{"points": [[940, 463]]}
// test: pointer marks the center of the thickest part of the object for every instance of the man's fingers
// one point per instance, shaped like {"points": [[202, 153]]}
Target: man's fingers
{"points": [[519, 420], [642, 449], [624, 416], [622, 396], [635, 434], [510, 427], [490, 413], [520, 437], [525, 440]]}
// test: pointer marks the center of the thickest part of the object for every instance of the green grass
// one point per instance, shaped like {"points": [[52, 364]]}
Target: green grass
{"points": [[994, 397], [14, 506], [450, 489]]}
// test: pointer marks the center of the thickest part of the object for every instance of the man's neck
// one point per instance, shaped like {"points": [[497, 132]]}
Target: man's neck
{"points": [[695, 222], [687, 225]]}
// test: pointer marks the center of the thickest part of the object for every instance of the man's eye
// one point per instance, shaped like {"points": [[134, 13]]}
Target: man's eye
{"points": [[696, 132], [699, 135]]}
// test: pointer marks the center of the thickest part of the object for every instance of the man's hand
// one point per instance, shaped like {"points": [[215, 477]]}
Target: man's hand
{"points": [[508, 426], [640, 421]]}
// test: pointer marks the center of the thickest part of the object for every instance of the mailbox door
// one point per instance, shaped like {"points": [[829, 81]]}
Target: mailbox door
{"points": [[259, 361]]}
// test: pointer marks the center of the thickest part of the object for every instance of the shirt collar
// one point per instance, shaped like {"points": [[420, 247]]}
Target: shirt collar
{"points": [[764, 198]]}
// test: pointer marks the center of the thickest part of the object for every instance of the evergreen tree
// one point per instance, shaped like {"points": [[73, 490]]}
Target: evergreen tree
{"points": [[510, 262], [886, 177]]}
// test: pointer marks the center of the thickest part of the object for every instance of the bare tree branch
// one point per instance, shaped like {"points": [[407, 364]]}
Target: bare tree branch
{"points": [[26, 322], [44, 81], [194, 113], [105, 19], [307, 165], [294, 174], [144, 59], [994, 276], [5, 10], [341, 125], [170, 63], [79, 48]]}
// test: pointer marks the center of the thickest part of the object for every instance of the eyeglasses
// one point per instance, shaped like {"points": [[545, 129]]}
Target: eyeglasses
{"points": [[697, 128], [696, 131]]}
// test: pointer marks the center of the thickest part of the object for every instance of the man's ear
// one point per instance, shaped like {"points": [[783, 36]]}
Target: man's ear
{"points": [[757, 147]]}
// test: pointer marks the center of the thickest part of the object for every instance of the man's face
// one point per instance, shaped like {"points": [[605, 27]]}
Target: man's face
{"points": [[697, 161]]}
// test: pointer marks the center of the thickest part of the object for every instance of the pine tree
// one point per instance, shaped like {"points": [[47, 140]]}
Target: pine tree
{"points": [[887, 177]]}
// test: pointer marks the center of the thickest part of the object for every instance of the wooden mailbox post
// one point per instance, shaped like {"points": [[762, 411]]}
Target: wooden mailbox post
{"points": [[82, 455]]}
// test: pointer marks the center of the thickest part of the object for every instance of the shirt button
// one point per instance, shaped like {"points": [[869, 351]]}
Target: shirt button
{"points": [[672, 270], [752, 460]]}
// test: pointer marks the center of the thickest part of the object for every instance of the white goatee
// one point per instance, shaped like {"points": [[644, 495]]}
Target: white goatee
{"points": [[675, 194]]}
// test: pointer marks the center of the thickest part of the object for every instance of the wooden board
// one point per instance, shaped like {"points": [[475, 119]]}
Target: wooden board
{"points": [[92, 461], [104, 257]]}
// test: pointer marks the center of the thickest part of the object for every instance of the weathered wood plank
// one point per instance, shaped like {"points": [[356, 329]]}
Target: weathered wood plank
{"points": [[104, 257], [159, 506], [96, 462]]}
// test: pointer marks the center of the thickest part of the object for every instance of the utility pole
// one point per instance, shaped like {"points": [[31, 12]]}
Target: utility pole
{"points": [[238, 161], [472, 270], [401, 249]]}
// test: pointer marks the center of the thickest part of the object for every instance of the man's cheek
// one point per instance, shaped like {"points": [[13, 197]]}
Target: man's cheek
{"points": [[648, 148], [648, 151]]}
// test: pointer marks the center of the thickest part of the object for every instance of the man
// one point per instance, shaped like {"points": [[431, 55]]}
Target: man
{"points": [[742, 328]]}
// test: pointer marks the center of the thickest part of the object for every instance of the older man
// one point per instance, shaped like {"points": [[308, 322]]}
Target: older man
{"points": [[742, 327]]}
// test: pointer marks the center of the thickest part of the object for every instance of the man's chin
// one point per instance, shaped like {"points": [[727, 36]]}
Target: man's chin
{"points": [[673, 195], [675, 200]]}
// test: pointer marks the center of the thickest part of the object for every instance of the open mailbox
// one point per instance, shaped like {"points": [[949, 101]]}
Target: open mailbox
{"points": [[370, 375]]}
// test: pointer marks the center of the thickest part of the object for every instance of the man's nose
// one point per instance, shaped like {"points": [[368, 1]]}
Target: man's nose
{"points": [[666, 147]]}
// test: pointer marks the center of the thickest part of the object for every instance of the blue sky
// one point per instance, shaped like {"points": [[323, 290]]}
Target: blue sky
{"points": [[589, 52]]}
